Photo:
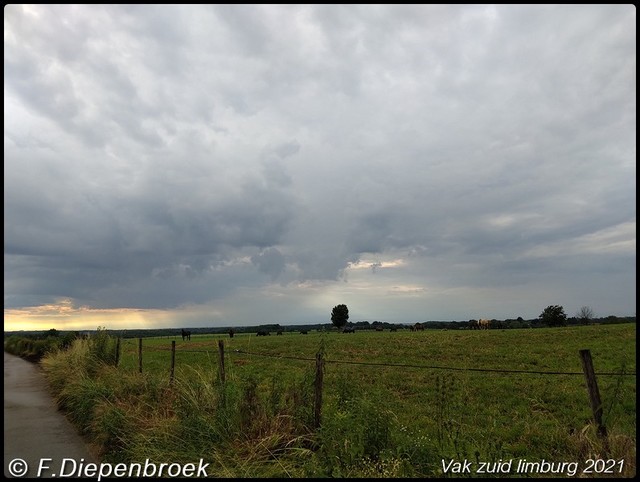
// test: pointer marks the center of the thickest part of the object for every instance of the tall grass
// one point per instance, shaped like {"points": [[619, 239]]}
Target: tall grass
{"points": [[375, 423]]}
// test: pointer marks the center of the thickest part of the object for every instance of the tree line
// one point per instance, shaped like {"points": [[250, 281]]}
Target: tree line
{"points": [[553, 315]]}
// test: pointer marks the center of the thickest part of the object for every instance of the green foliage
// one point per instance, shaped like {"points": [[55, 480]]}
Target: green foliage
{"points": [[32, 348], [450, 412], [554, 315], [377, 421], [112, 425], [80, 398], [346, 390], [102, 349], [340, 315], [67, 340], [361, 430]]}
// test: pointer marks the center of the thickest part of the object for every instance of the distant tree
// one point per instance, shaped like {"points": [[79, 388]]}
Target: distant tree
{"points": [[554, 315], [340, 315], [585, 315]]}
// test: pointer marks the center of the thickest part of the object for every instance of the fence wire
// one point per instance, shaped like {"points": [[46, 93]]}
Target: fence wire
{"points": [[397, 365]]}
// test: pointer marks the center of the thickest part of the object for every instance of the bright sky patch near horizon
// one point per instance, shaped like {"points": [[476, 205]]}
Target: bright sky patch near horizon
{"points": [[225, 165]]}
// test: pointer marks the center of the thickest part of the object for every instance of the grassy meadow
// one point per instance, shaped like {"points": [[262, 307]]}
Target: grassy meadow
{"points": [[395, 404]]}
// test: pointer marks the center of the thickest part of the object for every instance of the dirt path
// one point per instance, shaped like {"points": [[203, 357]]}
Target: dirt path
{"points": [[33, 427]]}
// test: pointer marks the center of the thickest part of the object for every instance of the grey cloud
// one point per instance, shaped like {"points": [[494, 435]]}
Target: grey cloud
{"points": [[270, 261], [288, 149], [157, 156], [322, 264]]}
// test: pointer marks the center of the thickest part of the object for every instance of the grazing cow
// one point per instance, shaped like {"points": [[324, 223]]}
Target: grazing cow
{"points": [[186, 335], [231, 333], [304, 332], [279, 332], [417, 327], [349, 329], [484, 324], [379, 328], [263, 333]]}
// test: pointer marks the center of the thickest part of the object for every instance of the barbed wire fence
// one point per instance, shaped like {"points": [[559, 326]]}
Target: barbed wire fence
{"points": [[320, 360]]}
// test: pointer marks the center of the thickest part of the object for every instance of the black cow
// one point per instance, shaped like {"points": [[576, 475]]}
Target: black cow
{"points": [[263, 333], [349, 329], [231, 333], [186, 335], [304, 332]]}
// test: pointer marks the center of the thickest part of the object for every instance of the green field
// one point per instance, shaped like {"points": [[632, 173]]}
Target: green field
{"points": [[394, 403]]}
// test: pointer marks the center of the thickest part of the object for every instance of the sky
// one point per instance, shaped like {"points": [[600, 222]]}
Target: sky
{"points": [[237, 165]]}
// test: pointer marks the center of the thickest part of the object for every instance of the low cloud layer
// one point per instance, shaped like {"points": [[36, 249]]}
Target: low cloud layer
{"points": [[220, 165]]}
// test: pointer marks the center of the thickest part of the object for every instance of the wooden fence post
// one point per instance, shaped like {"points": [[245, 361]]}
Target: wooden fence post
{"points": [[117, 351], [173, 360], [318, 387], [221, 362], [592, 387], [140, 355]]}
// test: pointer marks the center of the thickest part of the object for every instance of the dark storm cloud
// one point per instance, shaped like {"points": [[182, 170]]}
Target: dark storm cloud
{"points": [[270, 261], [162, 156]]}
